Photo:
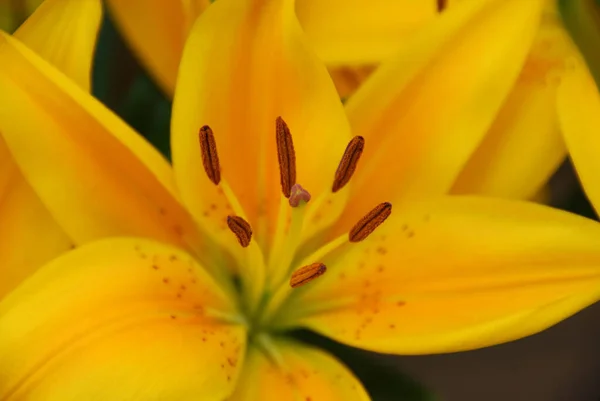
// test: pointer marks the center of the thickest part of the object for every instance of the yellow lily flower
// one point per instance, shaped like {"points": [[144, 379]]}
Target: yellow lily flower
{"points": [[145, 308], [21, 209]]}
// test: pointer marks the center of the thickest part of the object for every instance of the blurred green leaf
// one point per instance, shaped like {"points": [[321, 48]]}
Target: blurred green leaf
{"points": [[582, 20], [123, 85], [149, 112]]}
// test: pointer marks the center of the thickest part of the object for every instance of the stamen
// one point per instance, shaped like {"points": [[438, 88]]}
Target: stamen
{"points": [[348, 163], [298, 194], [307, 274], [370, 222], [441, 5], [241, 228], [286, 156], [210, 158], [252, 277]]}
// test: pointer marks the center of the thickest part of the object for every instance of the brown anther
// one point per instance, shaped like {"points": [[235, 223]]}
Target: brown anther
{"points": [[286, 156], [241, 228], [297, 195], [306, 274], [370, 222], [348, 163], [441, 5], [210, 158]]}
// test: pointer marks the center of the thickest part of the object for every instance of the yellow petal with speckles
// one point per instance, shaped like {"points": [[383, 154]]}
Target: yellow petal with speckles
{"points": [[422, 119], [96, 176], [259, 69], [454, 274], [295, 372], [126, 311]]}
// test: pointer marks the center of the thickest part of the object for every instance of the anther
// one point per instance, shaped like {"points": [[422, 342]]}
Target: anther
{"points": [[441, 5], [298, 194], [210, 158], [307, 274], [348, 163], [370, 222], [286, 156], [241, 228]]}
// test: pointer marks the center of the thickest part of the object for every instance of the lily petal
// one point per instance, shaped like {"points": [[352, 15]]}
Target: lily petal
{"points": [[342, 32], [95, 175], [157, 30], [29, 235], [126, 311], [356, 32], [64, 33], [579, 115], [423, 119], [25, 220], [259, 68], [295, 372], [455, 274], [524, 146]]}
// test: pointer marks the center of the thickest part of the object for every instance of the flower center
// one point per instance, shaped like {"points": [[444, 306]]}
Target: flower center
{"points": [[265, 283]]}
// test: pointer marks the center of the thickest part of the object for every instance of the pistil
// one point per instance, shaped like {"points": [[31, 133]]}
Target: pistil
{"points": [[285, 244], [280, 263]]}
